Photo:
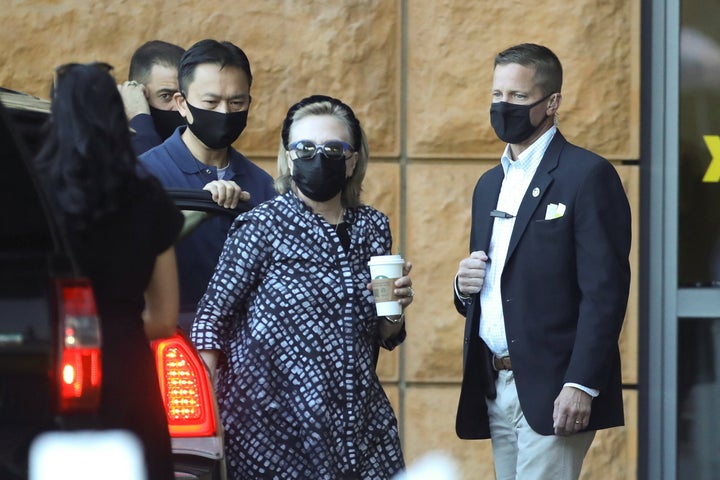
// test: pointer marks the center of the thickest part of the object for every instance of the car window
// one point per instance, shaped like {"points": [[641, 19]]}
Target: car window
{"points": [[24, 223]]}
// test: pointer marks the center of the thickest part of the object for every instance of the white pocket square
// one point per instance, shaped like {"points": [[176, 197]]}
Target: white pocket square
{"points": [[554, 210]]}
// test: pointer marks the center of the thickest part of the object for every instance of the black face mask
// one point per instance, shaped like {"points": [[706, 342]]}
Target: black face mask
{"points": [[319, 178], [511, 122], [215, 129], [166, 121]]}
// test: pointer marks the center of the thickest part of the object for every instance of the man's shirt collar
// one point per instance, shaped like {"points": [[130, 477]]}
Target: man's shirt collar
{"points": [[530, 158]]}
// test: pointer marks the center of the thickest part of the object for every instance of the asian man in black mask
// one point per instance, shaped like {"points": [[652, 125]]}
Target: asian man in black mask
{"points": [[148, 94], [214, 99]]}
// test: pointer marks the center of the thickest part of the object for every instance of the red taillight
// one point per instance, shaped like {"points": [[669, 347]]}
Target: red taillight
{"points": [[79, 370], [185, 387]]}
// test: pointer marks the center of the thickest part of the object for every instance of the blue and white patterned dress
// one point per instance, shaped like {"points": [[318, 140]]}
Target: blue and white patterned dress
{"points": [[290, 311]]}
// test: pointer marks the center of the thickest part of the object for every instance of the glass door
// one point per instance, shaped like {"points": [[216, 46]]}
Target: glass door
{"points": [[680, 326], [698, 341]]}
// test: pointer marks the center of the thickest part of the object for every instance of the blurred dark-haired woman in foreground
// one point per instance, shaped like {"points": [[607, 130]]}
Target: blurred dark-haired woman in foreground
{"points": [[121, 226]]}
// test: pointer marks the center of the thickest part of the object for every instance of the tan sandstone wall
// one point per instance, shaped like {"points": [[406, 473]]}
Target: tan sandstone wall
{"points": [[418, 73]]}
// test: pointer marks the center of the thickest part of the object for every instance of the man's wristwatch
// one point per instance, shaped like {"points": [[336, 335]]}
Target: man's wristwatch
{"points": [[395, 321]]}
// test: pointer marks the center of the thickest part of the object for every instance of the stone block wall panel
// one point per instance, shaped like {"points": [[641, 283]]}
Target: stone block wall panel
{"points": [[350, 50], [613, 453], [451, 48], [438, 233], [629, 337], [381, 189], [430, 428], [428, 128]]}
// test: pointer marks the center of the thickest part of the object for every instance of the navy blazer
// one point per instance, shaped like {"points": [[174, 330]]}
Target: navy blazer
{"points": [[564, 289]]}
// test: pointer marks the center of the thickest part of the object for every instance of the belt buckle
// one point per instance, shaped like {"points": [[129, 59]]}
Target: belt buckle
{"points": [[499, 363]]}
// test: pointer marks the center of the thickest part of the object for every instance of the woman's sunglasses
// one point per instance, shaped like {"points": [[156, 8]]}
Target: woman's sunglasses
{"points": [[333, 150]]}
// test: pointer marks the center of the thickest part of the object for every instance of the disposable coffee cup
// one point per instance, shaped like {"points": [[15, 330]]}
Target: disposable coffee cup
{"points": [[384, 270]]}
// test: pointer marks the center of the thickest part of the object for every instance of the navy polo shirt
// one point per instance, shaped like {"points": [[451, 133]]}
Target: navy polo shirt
{"points": [[197, 254]]}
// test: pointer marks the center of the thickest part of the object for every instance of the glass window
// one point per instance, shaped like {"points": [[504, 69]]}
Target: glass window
{"points": [[698, 398], [699, 172]]}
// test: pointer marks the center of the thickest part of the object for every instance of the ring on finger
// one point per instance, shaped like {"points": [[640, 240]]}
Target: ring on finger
{"points": [[412, 292]]}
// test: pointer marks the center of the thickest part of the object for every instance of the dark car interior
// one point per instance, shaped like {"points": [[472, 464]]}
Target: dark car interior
{"points": [[27, 226]]}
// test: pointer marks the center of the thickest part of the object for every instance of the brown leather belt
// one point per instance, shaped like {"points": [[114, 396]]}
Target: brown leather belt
{"points": [[502, 363]]}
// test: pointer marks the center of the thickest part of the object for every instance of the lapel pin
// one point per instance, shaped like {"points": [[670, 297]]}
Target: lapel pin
{"points": [[535, 192]]}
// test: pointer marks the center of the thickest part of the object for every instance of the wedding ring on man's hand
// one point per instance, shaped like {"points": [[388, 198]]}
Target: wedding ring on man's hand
{"points": [[578, 421], [412, 292]]}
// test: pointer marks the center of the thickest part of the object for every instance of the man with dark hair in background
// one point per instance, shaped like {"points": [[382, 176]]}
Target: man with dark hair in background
{"points": [[148, 94], [214, 98]]}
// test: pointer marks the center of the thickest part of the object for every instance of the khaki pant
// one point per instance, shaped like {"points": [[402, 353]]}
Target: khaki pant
{"points": [[521, 453]]}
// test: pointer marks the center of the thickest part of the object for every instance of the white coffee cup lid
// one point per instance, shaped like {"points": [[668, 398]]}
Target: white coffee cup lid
{"points": [[386, 259]]}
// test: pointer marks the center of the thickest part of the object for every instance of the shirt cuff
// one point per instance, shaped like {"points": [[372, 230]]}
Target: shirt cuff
{"points": [[590, 391], [392, 342], [461, 296]]}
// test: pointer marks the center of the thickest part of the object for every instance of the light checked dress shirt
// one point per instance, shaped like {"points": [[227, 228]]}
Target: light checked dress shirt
{"points": [[518, 175]]}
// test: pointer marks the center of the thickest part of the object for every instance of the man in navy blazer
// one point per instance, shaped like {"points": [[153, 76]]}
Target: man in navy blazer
{"points": [[545, 288]]}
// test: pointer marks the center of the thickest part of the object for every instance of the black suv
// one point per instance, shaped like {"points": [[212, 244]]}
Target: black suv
{"points": [[50, 338], [49, 330]]}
